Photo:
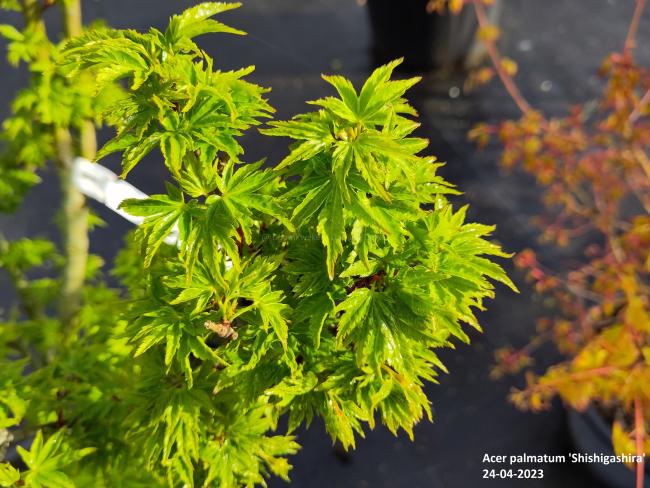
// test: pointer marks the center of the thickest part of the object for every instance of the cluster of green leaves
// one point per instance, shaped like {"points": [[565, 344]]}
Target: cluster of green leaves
{"points": [[56, 385], [43, 461], [67, 389], [321, 287], [51, 100]]}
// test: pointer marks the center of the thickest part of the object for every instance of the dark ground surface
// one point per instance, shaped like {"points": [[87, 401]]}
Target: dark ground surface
{"points": [[559, 45]]}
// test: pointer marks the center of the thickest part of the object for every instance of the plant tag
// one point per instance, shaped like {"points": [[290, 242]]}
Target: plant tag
{"points": [[101, 184]]}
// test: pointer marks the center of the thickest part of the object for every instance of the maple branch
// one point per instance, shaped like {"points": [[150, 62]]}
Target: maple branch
{"points": [[630, 39], [576, 376], [75, 210], [576, 290], [639, 433], [496, 59], [642, 159], [74, 227], [73, 27], [636, 113]]}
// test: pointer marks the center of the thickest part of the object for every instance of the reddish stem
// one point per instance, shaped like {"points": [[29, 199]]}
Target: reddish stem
{"points": [[639, 435], [630, 39], [495, 57]]}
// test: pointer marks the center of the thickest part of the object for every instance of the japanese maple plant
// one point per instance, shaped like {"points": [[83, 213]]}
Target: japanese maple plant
{"points": [[320, 287], [594, 172]]}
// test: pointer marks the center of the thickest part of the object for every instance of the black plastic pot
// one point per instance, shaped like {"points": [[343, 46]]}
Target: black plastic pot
{"points": [[591, 433], [404, 28]]}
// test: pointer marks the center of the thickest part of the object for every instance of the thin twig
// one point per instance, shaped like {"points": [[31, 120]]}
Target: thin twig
{"points": [[636, 113], [630, 39], [496, 59]]}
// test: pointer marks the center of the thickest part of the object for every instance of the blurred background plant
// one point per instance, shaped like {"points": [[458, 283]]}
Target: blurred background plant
{"points": [[594, 170], [60, 352]]}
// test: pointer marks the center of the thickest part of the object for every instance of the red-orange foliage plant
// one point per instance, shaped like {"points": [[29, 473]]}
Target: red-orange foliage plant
{"points": [[594, 169]]}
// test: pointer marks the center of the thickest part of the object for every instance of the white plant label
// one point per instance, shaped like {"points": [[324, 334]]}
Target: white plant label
{"points": [[101, 184]]}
